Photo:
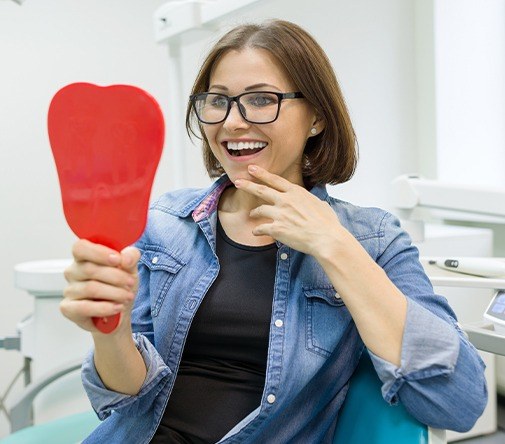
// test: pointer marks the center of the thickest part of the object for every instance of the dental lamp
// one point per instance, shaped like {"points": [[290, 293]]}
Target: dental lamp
{"points": [[179, 16]]}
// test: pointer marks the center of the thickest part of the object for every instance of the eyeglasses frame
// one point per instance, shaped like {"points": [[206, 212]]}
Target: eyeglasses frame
{"points": [[236, 99]]}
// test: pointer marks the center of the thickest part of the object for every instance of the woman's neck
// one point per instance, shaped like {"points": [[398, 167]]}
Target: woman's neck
{"points": [[238, 201], [234, 208]]}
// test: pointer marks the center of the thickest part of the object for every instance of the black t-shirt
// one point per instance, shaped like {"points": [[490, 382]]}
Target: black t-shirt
{"points": [[222, 371]]}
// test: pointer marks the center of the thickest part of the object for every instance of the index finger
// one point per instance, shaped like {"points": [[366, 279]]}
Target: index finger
{"points": [[260, 190], [86, 251], [273, 180]]}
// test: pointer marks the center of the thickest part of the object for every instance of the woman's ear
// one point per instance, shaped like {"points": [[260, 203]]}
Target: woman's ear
{"points": [[318, 125]]}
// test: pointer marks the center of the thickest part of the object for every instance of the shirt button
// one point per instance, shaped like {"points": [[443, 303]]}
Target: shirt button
{"points": [[155, 260], [337, 296], [465, 334], [271, 399], [284, 256], [279, 323]]}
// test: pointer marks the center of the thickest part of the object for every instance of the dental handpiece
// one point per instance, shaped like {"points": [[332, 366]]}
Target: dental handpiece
{"points": [[484, 267]]}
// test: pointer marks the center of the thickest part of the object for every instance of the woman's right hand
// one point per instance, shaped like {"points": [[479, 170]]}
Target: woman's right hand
{"points": [[101, 282]]}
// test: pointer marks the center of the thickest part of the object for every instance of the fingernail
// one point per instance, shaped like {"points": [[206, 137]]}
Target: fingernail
{"points": [[118, 307], [252, 168]]}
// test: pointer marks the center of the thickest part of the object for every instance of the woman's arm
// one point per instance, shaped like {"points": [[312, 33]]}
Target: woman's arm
{"points": [[377, 307], [119, 363]]}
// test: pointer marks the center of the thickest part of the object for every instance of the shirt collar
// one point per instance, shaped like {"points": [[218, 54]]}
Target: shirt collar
{"points": [[209, 203]]}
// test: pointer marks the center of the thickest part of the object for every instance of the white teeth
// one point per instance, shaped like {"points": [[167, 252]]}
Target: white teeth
{"points": [[245, 145]]}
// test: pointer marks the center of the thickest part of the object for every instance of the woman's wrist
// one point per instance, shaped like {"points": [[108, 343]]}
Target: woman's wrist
{"points": [[337, 250]]}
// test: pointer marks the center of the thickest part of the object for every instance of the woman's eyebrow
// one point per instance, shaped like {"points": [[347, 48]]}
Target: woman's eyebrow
{"points": [[224, 88], [260, 85], [248, 88]]}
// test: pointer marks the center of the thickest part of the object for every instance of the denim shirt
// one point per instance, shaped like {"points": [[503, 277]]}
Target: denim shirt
{"points": [[314, 345]]}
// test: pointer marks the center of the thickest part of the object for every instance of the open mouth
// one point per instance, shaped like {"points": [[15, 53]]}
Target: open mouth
{"points": [[238, 149]]}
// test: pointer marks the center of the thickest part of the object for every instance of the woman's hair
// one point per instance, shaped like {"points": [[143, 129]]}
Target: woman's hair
{"points": [[329, 157]]}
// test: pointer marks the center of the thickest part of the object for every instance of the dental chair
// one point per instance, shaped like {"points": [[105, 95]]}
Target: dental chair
{"points": [[365, 417]]}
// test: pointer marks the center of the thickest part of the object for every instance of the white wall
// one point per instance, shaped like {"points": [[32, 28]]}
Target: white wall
{"points": [[461, 94], [47, 44], [470, 91]]}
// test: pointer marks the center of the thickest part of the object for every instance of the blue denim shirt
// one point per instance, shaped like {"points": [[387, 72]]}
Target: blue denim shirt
{"points": [[314, 350]]}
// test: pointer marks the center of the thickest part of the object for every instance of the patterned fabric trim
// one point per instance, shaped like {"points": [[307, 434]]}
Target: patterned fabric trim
{"points": [[209, 204]]}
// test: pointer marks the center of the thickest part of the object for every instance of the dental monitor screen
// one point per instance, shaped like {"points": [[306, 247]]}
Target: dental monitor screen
{"points": [[497, 307]]}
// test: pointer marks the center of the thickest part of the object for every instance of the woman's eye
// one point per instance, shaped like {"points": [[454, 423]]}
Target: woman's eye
{"points": [[262, 100], [219, 102]]}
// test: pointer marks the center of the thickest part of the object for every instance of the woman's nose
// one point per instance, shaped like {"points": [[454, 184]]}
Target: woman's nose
{"points": [[235, 120]]}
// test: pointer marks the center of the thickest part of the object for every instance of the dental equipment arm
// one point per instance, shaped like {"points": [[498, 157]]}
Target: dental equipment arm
{"points": [[21, 412], [460, 202]]}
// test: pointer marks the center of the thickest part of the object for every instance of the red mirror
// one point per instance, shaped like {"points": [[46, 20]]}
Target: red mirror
{"points": [[106, 143]]}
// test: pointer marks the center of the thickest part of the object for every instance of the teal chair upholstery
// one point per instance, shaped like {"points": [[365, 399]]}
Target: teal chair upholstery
{"points": [[365, 418], [67, 430]]}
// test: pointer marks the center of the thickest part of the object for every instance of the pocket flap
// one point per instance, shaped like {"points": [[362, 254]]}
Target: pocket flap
{"points": [[157, 258], [328, 295]]}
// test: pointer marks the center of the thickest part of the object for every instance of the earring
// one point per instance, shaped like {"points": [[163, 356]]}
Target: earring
{"points": [[313, 131]]}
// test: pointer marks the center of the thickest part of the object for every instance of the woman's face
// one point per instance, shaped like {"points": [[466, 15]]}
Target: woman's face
{"points": [[282, 141]]}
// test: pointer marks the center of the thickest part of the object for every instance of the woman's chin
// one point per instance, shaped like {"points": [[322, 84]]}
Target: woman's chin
{"points": [[235, 175]]}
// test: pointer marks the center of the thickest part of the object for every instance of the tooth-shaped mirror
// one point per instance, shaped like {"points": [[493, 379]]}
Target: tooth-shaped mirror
{"points": [[106, 143]]}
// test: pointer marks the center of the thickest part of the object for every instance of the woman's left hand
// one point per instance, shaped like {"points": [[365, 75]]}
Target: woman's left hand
{"points": [[299, 219]]}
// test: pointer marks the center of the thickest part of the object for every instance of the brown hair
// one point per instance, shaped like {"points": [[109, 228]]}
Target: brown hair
{"points": [[331, 156]]}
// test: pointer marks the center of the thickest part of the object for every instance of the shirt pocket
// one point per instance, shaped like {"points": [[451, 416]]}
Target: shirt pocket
{"points": [[163, 268], [326, 319]]}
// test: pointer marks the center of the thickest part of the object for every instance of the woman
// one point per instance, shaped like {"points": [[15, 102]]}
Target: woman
{"points": [[255, 298]]}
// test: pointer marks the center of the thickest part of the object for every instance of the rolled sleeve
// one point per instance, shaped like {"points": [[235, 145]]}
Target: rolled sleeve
{"points": [[104, 401], [430, 348]]}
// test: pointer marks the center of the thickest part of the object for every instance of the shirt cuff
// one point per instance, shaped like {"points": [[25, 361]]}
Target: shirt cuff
{"points": [[430, 348], [104, 400]]}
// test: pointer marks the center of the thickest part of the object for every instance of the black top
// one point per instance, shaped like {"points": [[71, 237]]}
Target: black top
{"points": [[222, 371]]}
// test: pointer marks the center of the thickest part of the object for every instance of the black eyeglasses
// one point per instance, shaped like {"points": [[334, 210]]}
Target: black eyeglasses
{"points": [[254, 107]]}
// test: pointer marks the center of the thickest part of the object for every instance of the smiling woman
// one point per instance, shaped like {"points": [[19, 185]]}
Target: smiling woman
{"points": [[247, 306]]}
